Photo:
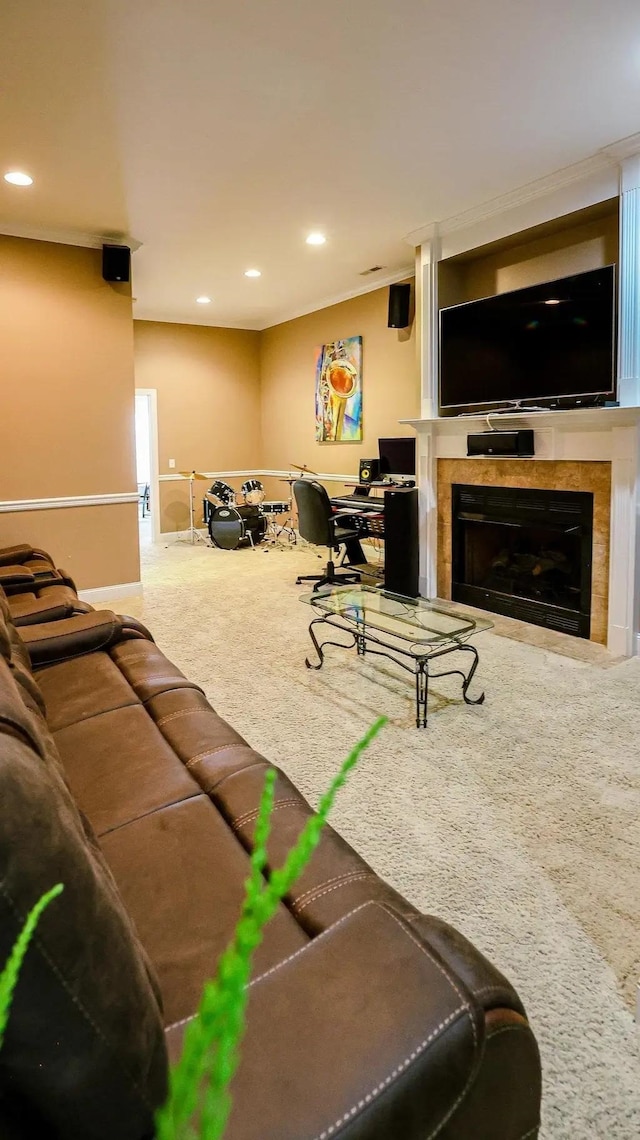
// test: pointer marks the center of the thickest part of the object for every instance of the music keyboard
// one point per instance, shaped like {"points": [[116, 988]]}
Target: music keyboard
{"points": [[360, 502]]}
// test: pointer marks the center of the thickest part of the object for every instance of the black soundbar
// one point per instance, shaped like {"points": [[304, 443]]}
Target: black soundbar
{"points": [[518, 443]]}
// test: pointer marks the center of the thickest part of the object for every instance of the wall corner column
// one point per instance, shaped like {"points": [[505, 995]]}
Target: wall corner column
{"points": [[629, 284]]}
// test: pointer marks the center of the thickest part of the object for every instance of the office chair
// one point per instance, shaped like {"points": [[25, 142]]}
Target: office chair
{"points": [[318, 524]]}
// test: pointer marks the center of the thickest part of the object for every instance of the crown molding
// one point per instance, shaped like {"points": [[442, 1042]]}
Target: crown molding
{"points": [[540, 188], [80, 238], [623, 148], [380, 282], [147, 315]]}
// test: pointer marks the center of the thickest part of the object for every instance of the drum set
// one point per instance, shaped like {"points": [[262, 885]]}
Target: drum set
{"points": [[246, 518]]}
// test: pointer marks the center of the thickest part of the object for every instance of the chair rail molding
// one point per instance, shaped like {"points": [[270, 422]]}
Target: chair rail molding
{"points": [[9, 506], [247, 473]]}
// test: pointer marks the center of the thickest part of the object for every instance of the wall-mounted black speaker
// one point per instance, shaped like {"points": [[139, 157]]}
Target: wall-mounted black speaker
{"points": [[369, 470], [399, 306], [116, 262]]}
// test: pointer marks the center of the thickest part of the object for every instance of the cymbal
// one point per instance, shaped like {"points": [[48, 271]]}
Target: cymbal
{"points": [[305, 470], [290, 481], [193, 475]]}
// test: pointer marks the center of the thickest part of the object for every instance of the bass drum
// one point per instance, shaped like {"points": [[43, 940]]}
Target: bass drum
{"points": [[231, 527]]}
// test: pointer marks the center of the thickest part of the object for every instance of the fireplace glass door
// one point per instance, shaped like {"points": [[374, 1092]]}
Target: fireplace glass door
{"points": [[524, 553]]}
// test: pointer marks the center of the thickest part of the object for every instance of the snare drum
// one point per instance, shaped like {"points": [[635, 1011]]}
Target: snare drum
{"points": [[253, 492], [276, 508], [231, 527]]}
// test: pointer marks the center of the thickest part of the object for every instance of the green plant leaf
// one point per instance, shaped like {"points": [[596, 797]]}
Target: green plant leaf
{"points": [[200, 1081], [11, 972]]}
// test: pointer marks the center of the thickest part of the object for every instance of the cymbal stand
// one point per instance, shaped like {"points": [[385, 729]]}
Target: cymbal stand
{"points": [[192, 535]]}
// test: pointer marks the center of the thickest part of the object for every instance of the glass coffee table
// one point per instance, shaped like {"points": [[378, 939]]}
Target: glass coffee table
{"points": [[396, 627]]}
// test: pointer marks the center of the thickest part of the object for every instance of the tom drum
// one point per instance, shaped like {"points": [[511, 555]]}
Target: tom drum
{"points": [[253, 492]]}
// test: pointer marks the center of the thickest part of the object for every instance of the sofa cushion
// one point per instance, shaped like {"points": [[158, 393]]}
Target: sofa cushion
{"points": [[181, 873], [96, 996]]}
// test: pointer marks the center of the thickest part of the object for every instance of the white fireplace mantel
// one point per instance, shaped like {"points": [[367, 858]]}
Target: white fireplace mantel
{"points": [[604, 434]]}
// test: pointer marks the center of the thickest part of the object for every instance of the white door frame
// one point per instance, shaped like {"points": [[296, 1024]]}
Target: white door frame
{"points": [[152, 399]]}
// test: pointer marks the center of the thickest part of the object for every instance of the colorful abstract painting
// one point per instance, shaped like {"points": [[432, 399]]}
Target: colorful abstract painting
{"points": [[339, 391]]}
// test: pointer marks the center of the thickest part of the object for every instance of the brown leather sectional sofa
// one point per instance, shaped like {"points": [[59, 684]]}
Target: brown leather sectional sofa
{"points": [[367, 1019], [35, 589]]}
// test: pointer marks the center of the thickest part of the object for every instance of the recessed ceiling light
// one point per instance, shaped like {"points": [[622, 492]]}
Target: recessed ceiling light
{"points": [[203, 300], [316, 239], [252, 273], [552, 301], [18, 178]]}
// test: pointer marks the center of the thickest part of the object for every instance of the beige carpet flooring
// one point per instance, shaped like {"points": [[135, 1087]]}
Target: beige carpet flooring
{"points": [[518, 821]]}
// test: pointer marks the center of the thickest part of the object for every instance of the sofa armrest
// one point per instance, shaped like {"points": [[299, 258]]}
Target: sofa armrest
{"points": [[367, 1033], [18, 553], [13, 575], [39, 610], [75, 636]]}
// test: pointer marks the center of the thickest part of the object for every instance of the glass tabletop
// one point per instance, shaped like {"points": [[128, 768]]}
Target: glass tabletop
{"points": [[416, 620]]}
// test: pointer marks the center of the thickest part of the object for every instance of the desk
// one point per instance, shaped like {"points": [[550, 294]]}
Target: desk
{"points": [[396, 521], [394, 626]]}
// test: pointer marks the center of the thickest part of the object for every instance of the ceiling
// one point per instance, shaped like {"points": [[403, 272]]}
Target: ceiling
{"points": [[218, 135]]}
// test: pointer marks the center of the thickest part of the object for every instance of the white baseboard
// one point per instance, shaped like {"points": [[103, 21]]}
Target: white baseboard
{"points": [[111, 593]]}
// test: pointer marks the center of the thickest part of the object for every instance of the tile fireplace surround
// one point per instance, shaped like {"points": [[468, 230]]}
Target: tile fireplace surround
{"points": [[554, 475], [594, 449]]}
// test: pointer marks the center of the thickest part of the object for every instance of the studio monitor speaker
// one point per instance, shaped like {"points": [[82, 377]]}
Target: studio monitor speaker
{"points": [[116, 262], [399, 306], [369, 470]]}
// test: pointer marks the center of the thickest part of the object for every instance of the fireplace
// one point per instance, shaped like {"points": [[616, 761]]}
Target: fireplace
{"points": [[525, 553]]}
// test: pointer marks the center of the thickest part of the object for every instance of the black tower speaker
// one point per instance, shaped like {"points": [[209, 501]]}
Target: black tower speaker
{"points": [[369, 470], [399, 304], [116, 262], [401, 555]]}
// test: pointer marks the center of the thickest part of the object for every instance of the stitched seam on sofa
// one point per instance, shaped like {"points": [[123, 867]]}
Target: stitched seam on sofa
{"points": [[326, 882], [197, 794], [439, 967], [474, 1031], [260, 763], [285, 961], [531, 1132], [183, 712], [383, 1085], [312, 942], [347, 881], [37, 942], [249, 816], [132, 704], [126, 658], [177, 683], [212, 752]]}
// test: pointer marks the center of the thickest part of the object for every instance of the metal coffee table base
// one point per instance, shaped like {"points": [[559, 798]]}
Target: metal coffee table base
{"points": [[420, 662]]}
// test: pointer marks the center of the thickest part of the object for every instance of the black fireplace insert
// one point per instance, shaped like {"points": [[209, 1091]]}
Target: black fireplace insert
{"points": [[525, 553]]}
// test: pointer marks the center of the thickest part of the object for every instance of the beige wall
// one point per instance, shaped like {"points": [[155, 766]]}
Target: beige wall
{"points": [[208, 385], [391, 384], [66, 361], [97, 545]]}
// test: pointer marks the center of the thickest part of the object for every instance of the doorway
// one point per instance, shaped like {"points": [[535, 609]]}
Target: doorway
{"points": [[146, 437]]}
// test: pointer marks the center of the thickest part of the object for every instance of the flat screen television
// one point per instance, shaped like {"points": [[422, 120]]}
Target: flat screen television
{"points": [[551, 344], [398, 455]]}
